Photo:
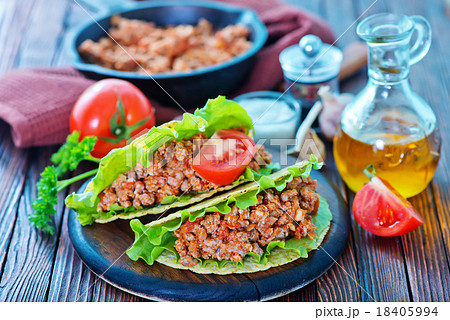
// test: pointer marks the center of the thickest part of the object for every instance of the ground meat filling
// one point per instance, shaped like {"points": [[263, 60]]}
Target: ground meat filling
{"points": [[141, 46], [170, 173], [276, 216]]}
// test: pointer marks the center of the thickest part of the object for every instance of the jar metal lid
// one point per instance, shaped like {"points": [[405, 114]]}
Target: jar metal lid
{"points": [[311, 61]]}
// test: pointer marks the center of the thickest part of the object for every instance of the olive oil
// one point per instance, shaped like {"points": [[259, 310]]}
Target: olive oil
{"points": [[407, 162], [388, 125]]}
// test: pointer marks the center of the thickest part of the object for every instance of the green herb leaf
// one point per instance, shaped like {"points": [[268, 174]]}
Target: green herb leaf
{"points": [[67, 158], [169, 199], [73, 152], [46, 200]]}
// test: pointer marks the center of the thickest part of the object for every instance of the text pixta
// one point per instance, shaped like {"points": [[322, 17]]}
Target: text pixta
{"points": [[337, 312]]}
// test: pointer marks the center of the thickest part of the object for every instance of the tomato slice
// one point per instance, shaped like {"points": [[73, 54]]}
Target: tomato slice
{"points": [[380, 209], [224, 157]]}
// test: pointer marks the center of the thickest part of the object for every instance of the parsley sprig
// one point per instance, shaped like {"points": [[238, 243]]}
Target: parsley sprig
{"points": [[67, 158], [73, 152]]}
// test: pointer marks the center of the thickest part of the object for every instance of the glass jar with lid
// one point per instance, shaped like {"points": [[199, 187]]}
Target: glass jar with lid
{"points": [[308, 66], [388, 125]]}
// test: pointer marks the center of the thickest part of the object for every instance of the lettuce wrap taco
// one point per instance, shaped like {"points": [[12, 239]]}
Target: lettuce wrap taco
{"points": [[254, 227], [159, 170]]}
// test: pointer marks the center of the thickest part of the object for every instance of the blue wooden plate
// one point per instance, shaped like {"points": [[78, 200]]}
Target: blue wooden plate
{"points": [[102, 247]]}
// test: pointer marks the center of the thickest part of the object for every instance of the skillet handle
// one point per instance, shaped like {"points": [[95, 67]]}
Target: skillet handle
{"points": [[101, 8]]}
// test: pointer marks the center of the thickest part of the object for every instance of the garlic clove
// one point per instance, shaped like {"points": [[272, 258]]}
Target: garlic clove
{"points": [[333, 105]]}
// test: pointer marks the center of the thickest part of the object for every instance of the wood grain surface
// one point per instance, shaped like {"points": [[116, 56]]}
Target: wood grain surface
{"points": [[415, 267]]}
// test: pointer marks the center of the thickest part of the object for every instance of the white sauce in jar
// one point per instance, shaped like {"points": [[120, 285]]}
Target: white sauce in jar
{"points": [[274, 120]]}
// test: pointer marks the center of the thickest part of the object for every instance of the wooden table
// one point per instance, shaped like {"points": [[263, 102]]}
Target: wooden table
{"points": [[36, 267]]}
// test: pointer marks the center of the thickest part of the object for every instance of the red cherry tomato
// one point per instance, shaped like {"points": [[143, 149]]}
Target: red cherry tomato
{"points": [[99, 112], [380, 209], [224, 157]]}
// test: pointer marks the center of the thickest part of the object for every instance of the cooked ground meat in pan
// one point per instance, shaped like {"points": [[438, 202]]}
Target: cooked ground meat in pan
{"points": [[276, 216], [170, 49], [170, 173]]}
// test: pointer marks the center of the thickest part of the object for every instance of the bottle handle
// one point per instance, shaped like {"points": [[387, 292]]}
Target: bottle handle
{"points": [[423, 42]]}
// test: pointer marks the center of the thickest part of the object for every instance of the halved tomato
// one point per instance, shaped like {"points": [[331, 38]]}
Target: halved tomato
{"points": [[380, 209], [224, 157]]}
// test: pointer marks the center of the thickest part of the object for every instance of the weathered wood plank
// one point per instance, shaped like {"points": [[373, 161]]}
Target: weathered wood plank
{"points": [[15, 22], [435, 12], [426, 260], [340, 283], [441, 197], [105, 292], [439, 93], [31, 253], [71, 280], [427, 252], [13, 163], [74, 16], [41, 40], [380, 264]]}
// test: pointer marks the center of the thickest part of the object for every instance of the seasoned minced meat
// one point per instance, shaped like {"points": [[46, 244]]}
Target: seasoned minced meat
{"points": [[276, 216], [170, 173], [141, 46]]}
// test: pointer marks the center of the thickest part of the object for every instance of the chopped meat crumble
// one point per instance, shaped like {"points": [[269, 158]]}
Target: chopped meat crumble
{"points": [[153, 49], [170, 173], [276, 216]]}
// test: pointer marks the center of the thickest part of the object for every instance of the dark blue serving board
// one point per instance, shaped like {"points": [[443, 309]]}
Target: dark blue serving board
{"points": [[102, 248]]}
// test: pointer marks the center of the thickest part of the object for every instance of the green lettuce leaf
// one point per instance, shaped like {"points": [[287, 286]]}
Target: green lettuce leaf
{"points": [[151, 240], [251, 175], [219, 113]]}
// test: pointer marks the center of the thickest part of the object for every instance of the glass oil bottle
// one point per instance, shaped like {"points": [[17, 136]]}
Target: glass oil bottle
{"points": [[388, 125]]}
